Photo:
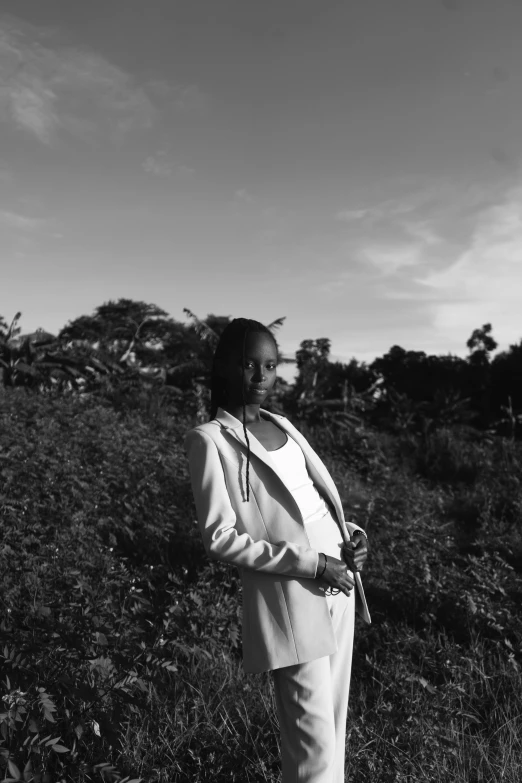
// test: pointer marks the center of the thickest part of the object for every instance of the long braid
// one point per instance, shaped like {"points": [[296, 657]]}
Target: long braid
{"points": [[244, 415], [232, 339]]}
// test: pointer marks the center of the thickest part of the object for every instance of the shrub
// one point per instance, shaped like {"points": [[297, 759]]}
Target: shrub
{"points": [[119, 640], [442, 457]]}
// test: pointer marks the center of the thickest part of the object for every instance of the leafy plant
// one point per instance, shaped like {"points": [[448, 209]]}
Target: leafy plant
{"points": [[120, 641]]}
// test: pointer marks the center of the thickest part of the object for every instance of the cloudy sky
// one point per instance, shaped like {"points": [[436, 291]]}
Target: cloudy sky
{"points": [[354, 166]]}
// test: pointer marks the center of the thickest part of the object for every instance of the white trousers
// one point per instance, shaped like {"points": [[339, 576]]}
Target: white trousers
{"points": [[312, 705]]}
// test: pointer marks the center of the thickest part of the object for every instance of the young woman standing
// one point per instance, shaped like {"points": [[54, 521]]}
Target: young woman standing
{"points": [[267, 504]]}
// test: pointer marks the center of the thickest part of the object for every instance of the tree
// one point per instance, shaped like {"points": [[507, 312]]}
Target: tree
{"points": [[13, 352], [118, 326], [506, 379], [480, 345], [404, 371], [312, 360], [134, 334], [357, 375]]}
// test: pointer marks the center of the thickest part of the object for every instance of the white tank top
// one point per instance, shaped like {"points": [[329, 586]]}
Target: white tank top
{"points": [[321, 528]]}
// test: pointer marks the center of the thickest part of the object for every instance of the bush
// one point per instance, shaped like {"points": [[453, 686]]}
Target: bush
{"points": [[119, 641], [97, 520], [442, 457]]}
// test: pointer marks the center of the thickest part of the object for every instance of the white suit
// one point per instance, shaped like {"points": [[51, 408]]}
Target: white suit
{"points": [[288, 624]]}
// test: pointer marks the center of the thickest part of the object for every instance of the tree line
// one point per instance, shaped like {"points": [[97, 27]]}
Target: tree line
{"points": [[128, 350]]}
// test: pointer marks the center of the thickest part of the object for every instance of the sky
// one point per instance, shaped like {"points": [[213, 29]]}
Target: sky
{"points": [[354, 166]]}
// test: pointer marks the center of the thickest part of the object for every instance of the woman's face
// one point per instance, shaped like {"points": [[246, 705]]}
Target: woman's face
{"points": [[260, 366]]}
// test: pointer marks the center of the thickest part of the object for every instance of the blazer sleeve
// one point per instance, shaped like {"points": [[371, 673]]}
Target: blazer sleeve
{"points": [[217, 520], [353, 528]]}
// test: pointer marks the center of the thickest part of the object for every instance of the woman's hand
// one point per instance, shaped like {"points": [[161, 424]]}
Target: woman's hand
{"points": [[356, 552], [336, 574]]}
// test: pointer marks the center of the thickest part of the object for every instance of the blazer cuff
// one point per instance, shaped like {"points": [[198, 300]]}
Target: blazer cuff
{"points": [[352, 528]]}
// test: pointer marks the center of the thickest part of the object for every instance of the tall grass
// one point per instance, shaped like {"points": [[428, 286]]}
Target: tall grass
{"points": [[120, 653]]}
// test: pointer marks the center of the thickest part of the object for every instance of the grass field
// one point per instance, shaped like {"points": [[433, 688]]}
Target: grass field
{"points": [[119, 641]]}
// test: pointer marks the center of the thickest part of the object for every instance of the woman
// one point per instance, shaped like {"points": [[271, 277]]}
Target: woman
{"points": [[267, 504]]}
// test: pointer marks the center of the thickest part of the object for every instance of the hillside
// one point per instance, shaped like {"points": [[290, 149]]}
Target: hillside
{"points": [[120, 649]]}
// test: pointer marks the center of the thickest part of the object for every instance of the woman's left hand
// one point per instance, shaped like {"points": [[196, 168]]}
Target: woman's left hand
{"points": [[356, 552]]}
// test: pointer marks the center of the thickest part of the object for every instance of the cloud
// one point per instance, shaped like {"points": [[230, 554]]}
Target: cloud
{"points": [[399, 240], [158, 165], [347, 215], [336, 284], [374, 213], [483, 283], [47, 89], [243, 195], [17, 221], [183, 97], [389, 259], [441, 264], [161, 165], [389, 237]]}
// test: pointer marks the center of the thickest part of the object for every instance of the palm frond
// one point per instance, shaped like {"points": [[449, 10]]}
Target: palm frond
{"points": [[276, 324], [203, 330], [14, 329]]}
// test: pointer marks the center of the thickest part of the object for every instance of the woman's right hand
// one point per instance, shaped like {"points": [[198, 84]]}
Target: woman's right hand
{"points": [[336, 574]]}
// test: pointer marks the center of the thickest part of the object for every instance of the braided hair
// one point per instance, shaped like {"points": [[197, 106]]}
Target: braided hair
{"points": [[233, 339]]}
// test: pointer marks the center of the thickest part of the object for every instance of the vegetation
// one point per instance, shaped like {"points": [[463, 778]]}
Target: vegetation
{"points": [[119, 641]]}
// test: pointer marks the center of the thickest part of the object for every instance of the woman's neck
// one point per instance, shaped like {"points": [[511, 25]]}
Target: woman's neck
{"points": [[252, 412]]}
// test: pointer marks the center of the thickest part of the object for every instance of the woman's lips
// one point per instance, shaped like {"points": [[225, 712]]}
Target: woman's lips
{"points": [[257, 391]]}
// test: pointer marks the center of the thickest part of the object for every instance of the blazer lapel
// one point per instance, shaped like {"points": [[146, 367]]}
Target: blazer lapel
{"points": [[316, 469], [318, 473], [235, 426]]}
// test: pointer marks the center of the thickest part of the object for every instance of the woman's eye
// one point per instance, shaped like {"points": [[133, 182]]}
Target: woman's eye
{"points": [[250, 366]]}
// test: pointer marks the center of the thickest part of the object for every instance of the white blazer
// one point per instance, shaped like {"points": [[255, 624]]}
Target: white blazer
{"points": [[285, 614]]}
